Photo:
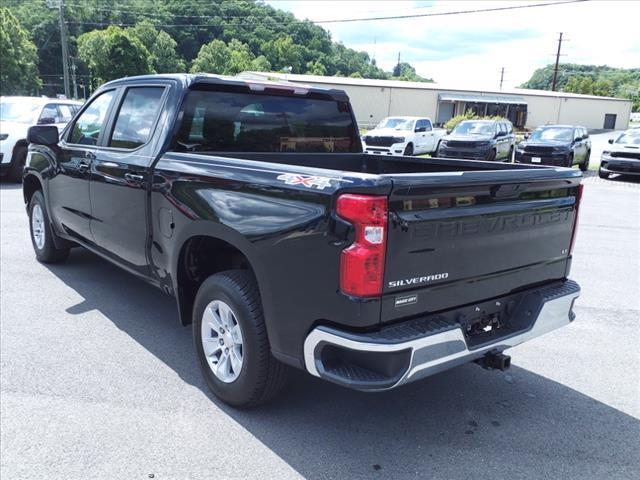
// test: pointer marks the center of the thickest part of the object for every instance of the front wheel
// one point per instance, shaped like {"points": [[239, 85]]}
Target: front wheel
{"points": [[408, 150], [231, 341], [602, 174], [42, 236], [510, 157]]}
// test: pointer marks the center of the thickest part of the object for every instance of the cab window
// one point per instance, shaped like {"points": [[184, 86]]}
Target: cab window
{"points": [[136, 118], [87, 128]]}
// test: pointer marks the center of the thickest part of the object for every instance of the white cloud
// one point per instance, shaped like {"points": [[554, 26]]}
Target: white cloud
{"points": [[472, 48]]}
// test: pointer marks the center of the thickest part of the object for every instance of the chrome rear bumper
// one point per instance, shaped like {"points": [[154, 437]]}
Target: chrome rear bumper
{"points": [[365, 362]]}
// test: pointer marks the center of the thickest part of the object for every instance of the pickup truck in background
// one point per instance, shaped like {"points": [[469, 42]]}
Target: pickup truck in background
{"points": [[17, 114], [479, 140], [286, 246], [398, 136]]}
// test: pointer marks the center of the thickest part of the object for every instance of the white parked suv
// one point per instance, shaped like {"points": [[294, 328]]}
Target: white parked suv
{"points": [[403, 136], [17, 114]]}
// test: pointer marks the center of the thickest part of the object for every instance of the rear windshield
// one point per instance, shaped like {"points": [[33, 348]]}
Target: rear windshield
{"points": [[218, 121]]}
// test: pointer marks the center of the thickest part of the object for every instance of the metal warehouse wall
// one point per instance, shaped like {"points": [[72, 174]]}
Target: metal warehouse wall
{"points": [[580, 111], [371, 103]]}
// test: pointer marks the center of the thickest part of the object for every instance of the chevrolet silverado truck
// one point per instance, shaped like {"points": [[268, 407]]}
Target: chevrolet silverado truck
{"points": [[285, 245], [403, 136]]}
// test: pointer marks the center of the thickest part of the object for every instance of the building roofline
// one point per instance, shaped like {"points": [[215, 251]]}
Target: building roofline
{"points": [[349, 81]]}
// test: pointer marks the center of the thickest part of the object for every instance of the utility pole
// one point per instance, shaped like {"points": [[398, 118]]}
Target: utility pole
{"points": [[65, 50], [501, 77], [555, 69], [73, 78]]}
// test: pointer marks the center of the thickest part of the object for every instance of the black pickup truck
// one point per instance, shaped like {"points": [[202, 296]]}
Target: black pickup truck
{"points": [[285, 245]]}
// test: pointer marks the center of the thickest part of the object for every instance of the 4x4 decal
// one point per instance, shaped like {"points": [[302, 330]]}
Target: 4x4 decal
{"points": [[305, 180]]}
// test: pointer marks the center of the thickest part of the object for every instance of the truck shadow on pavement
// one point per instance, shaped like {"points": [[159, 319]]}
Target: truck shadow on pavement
{"points": [[465, 423]]}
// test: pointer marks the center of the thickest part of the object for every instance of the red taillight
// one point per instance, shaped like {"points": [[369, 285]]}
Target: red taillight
{"points": [[362, 264], [575, 221]]}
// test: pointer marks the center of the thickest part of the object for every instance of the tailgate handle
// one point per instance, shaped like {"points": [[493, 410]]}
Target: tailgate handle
{"points": [[509, 190]]}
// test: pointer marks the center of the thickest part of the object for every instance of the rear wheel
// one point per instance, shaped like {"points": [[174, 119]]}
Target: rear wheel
{"points": [[231, 341], [408, 150], [42, 236], [17, 164]]}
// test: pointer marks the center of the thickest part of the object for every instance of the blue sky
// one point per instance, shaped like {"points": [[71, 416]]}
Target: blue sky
{"points": [[461, 49]]}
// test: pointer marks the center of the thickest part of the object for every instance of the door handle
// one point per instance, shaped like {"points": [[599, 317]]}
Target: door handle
{"points": [[134, 178]]}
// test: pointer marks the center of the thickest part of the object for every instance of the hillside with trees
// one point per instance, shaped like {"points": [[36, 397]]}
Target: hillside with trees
{"points": [[110, 39], [590, 80]]}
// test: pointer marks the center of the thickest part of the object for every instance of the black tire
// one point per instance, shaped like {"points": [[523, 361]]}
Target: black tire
{"points": [[408, 150], [602, 174], [17, 164], [46, 250], [570, 161], [510, 157], [491, 156], [261, 376], [584, 166]]}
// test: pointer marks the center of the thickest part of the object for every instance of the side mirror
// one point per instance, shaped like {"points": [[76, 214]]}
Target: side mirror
{"points": [[46, 121], [43, 135], [611, 140]]}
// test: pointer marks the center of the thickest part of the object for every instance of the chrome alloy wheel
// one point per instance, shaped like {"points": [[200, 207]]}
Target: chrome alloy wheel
{"points": [[37, 226], [222, 341]]}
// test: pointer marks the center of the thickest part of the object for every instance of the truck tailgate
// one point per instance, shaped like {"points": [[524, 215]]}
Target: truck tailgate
{"points": [[459, 238]]}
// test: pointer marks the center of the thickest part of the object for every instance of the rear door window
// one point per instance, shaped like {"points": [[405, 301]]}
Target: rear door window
{"points": [[136, 117], [49, 114], [260, 122], [90, 124], [65, 113]]}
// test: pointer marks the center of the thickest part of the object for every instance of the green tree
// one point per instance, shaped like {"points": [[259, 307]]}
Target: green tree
{"points": [[283, 53], [113, 53], [260, 64], [316, 68], [586, 86], [161, 46], [19, 72], [573, 85], [212, 58], [239, 58], [603, 87]]}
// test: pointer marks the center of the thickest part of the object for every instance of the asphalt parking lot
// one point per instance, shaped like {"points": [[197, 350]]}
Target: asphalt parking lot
{"points": [[99, 381]]}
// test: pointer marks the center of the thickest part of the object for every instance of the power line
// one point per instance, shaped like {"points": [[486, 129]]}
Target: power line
{"points": [[458, 12], [343, 20]]}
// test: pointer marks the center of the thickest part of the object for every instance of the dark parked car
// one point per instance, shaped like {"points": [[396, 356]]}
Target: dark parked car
{"points": [[284, 244], [623, 156], [479, 140], [559, 145]]}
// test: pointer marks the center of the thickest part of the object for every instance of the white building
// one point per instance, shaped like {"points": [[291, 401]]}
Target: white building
{"points": [[373, 100]]}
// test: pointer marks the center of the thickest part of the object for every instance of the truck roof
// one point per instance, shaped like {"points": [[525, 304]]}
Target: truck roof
{"points": [[188, 80]]}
